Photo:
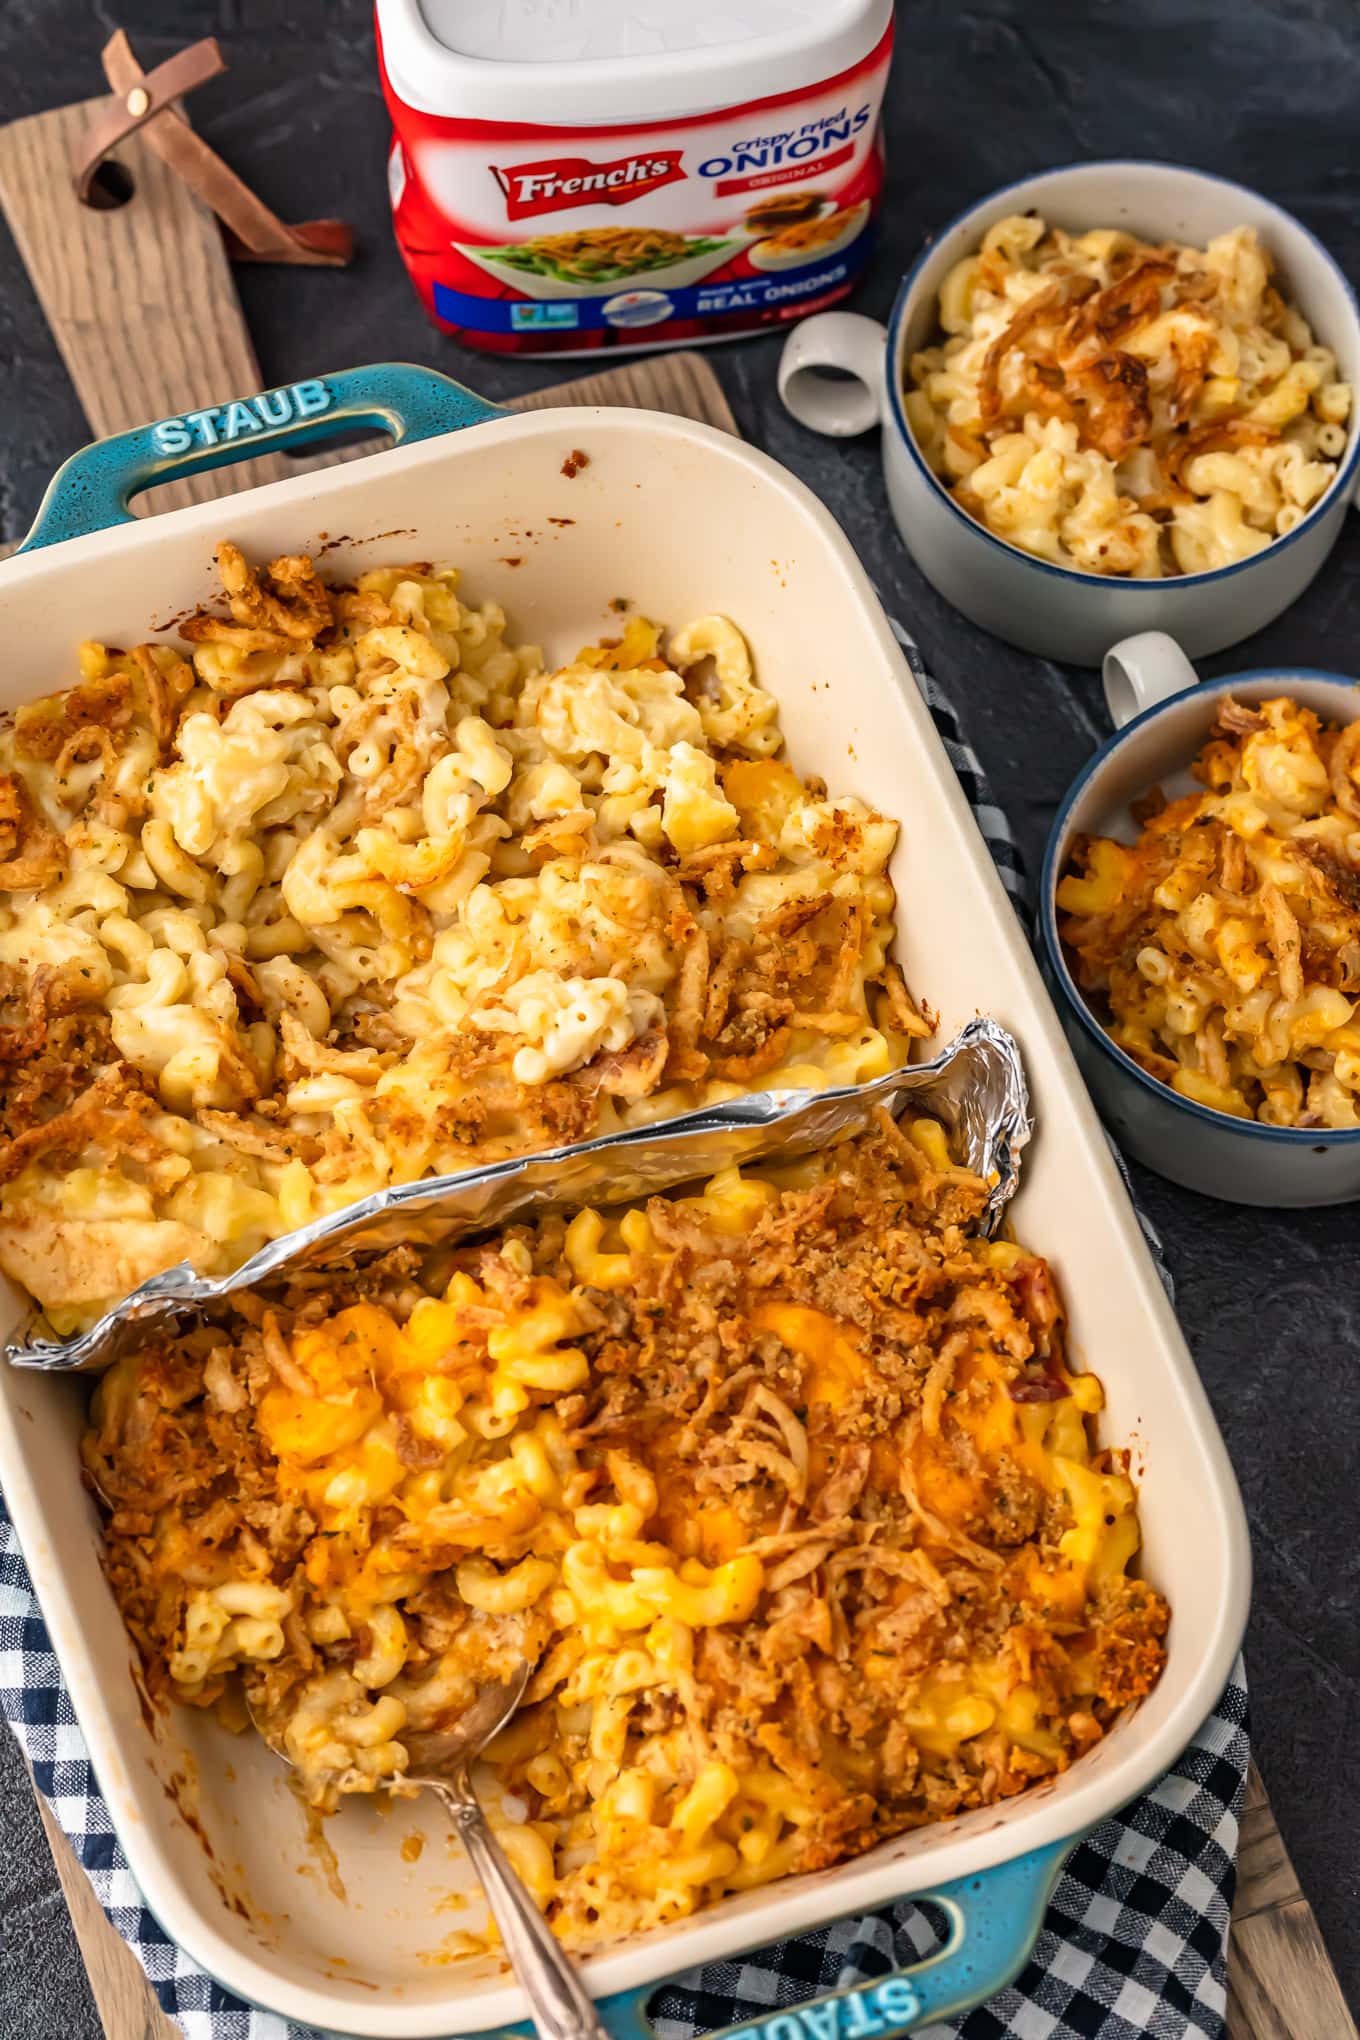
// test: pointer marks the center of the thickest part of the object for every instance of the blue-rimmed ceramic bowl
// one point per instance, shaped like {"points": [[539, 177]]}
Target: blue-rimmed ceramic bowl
{"points": [[1163, 715], [1044, 608]]}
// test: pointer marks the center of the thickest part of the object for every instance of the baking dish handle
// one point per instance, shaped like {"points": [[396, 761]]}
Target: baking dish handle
{"points": [[91, 491], [994, 1921]]}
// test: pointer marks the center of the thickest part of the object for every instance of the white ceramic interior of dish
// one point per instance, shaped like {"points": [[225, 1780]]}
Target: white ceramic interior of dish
{"points": [[681, 520]]}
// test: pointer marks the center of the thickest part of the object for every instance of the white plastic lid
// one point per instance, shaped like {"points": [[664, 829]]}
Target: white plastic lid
{"points": [[543, 63]]}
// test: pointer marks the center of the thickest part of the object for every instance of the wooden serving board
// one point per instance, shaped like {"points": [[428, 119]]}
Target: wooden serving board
{"points": [[143, 307]]}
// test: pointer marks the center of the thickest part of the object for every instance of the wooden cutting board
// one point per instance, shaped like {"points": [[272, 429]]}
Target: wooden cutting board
{"points": [[143, 307]]}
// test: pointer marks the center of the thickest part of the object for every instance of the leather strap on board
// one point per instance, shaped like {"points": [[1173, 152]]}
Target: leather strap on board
{"points": [[145, 103]]}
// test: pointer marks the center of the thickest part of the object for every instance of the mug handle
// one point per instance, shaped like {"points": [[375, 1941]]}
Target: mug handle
{"points": [[845, 404], [92, 490], [994, 1921], [1141, 671]]}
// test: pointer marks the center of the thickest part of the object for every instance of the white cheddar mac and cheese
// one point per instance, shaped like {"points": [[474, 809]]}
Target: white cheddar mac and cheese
{"points": [[1124, 408], [358, 891], [1223, 947], [786, 1489]]}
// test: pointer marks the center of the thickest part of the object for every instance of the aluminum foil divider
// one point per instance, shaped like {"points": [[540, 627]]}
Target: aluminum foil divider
{"points": [[976, 1086]]}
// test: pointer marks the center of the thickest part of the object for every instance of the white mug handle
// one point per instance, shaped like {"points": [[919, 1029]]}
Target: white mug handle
{"points": [[1140, 671], [842, 405]]}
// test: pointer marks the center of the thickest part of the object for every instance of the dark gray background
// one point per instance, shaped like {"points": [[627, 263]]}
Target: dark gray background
{"points": [[1265, 91]]}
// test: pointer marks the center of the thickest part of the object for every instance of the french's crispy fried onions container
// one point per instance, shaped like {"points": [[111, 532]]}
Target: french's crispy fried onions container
{"points": [[628, 176]]}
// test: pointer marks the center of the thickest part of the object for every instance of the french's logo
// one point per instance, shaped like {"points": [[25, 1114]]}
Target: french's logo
{"points": [[560, 182]]}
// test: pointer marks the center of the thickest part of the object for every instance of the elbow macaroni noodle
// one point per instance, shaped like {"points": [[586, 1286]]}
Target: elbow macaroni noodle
{"points": [[785, 1488], [360, 891], [1120, 408], [1224, 945]]}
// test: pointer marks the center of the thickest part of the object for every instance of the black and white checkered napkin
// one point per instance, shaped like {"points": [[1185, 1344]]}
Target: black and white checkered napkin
{"points": [[1135, 1941]]}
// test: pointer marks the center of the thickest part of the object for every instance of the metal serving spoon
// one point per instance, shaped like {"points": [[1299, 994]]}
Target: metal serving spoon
{"points": [[560, 2005]]}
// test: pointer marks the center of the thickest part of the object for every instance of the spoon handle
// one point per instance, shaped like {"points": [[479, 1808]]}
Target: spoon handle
{"points": [[562, 2008]]}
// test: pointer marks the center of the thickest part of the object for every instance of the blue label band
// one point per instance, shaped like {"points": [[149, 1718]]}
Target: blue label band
{"points": [[626, 310], [221, 424]]}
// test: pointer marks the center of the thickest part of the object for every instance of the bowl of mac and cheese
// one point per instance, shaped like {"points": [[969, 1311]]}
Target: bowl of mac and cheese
{"points": [[1114, 397], [1201, 914]]}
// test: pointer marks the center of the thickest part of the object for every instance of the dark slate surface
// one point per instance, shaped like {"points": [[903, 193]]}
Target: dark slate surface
{"points": [[1264, 91]]}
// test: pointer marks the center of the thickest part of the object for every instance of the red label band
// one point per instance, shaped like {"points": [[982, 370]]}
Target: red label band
{"points": [[790, 173], [562, 183]]}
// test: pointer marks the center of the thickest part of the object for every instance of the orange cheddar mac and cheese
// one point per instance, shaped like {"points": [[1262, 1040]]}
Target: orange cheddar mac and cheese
{"points": [[1222, 948], [786, 1489]]}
